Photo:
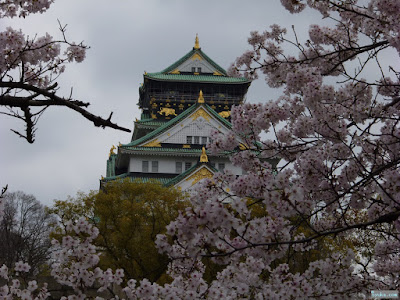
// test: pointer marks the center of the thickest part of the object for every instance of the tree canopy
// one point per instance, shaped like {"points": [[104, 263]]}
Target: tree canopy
{"points": [[129, 216], [24, 232]]}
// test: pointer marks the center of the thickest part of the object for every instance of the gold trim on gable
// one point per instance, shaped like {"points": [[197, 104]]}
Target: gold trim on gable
{"points": [[216, 73], [153, 143], [201, 174], [196, 56], [176, 71], [201, 113]]}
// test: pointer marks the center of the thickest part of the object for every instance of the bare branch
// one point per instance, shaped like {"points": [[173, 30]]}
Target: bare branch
{"points": [[50, 99]]}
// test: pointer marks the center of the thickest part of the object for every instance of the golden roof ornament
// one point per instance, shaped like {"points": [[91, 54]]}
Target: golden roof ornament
{"points": [[112, 151], [203, 156], [196, 43], [201, 98]]}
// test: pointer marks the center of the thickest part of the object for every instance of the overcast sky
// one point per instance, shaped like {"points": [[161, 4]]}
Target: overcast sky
{"points": [[126, 38]]}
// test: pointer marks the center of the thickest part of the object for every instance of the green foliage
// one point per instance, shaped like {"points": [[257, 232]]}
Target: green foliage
{"points": [[72, 209], [129, 215]]}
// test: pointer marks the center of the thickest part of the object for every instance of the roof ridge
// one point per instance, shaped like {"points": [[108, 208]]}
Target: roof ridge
{"points": [[193, 77], [178, 62], [174, 65]]}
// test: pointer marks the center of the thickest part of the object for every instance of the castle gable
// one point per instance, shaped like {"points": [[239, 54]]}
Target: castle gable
{"points": [[193, 128]]}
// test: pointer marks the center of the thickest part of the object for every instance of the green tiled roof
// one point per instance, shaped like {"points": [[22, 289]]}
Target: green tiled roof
{"points": [[150, 122], [196, 78], [175, 151], [162, 149], [187, 56], [164, 181], [223, 78], [141, 179], [176, 120]]}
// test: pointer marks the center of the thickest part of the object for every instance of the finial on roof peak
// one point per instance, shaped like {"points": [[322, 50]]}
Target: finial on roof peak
{"points": [[196, 42], [201, 98], [112, 151], [203, 156]]}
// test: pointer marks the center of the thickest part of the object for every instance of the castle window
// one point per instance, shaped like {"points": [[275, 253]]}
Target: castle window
{"points": [[196, 140], [198, 70], [193, 69], [188, 139], [187, 165], [145, 166], [178, 167], [154, 166], [204, 140], [221, 167]]}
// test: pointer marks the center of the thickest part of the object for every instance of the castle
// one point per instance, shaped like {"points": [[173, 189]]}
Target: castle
{"points": [[180, 106]]}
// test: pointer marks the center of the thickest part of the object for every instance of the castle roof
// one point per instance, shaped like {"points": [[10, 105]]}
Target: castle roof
{"points": [[178, 71]]}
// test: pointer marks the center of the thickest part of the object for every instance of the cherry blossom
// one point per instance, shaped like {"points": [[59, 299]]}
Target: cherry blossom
{"points": [[338, 176], [323, 223]]}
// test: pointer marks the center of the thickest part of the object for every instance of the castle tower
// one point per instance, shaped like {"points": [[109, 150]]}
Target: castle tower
{"points": [[180, 106]]}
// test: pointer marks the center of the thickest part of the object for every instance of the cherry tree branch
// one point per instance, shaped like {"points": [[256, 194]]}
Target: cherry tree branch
{"points": [[50, 99]]}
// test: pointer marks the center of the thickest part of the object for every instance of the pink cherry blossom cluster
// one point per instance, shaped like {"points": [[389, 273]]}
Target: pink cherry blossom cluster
{"points": [[14, 8], [75, 260], [75, 52], [38, 60], [339, 171], [14, 288]]}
